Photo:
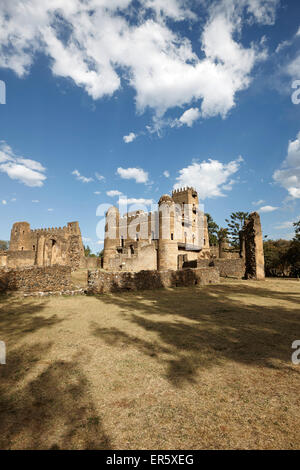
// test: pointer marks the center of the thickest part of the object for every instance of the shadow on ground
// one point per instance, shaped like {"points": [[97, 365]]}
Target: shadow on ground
{"points": [[43, 403], [52, 410], [199, 328]]}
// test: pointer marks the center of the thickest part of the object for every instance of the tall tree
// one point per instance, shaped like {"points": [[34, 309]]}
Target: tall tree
{"points": [[294, 252], [212, 230], [222, 234], [297, 230], [235, 224], [87, 250]]}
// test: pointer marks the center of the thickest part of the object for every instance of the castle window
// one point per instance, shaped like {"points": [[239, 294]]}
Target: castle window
{"points": [[172, 236], [33, 247], [122, 241], [131, 249], [23, 232], [22, 248]]}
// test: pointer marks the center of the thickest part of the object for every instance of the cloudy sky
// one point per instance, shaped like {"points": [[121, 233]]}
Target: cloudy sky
{"points": [[120, 101]]}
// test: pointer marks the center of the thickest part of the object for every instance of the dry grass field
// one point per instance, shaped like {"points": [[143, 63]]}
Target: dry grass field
{"points": [[187, 368]]}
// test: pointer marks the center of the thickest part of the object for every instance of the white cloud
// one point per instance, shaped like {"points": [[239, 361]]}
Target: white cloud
{"points": [[210, 178], [139, 175], [289, 175], [258, 203], [99, 177], [283, 45], [13, 199], [166, 173], [189, 116], [268, 209], [129, 138], [4, 202], [113, 193], [50, 210], [284, 225], [35, 201], [27, 171], [298, 32], [81, 178], [106, 41], [97, 192]]}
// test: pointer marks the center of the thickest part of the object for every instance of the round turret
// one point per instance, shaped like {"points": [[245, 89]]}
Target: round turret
{"points": [[165, 199]]}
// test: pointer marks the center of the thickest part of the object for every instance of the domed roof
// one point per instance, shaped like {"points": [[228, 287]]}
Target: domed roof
{"points": [[165, 198]]}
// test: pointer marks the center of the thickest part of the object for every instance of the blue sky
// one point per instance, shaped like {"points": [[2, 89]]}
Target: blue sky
{"points": [[136, 97]]}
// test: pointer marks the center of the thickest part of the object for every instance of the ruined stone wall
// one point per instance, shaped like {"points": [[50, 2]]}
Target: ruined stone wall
{"points": [[45, 247], [100, 282], [252, 248], [20, 259], [91, 262], [144, 257], [230, 267], [3, 258], [227, 267], [35, 279]]}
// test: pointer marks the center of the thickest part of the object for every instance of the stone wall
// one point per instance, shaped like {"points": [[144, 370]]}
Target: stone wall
{"points": [[35, 279], [252, 249], [230, 267], [234, 267], [3, 258], [91, 262], [19, 259], [100, 282]]}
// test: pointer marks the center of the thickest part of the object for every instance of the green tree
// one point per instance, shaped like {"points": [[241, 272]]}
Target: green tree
{"points": [[235, 224], [277, 259], [4, 245], [222, 234], [101, 253], [297, 230], [293, 254], [87, 250], [212, 230]]}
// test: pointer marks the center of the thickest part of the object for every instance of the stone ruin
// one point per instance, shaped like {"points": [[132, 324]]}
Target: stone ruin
{"points": [[166, 248], [252, 250], [44, 247]]}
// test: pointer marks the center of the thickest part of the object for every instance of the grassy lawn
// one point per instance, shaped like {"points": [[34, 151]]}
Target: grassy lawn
{"points": [[187, 368]]}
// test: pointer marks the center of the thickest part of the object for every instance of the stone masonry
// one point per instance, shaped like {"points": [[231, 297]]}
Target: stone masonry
{"points": [[100, 282], [35, 279], [45, 247], [252, 249]]}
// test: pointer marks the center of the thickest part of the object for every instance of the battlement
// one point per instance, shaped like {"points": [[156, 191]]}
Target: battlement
{"points": [[184, 190], [71, 227]]}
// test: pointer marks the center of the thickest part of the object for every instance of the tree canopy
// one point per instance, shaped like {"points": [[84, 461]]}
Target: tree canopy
{"points": [[235, 224]]}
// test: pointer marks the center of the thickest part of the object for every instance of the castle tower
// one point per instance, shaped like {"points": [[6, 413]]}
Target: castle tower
{"points": [[186, 196], [167, 242], [20, 238], [112, 235]]}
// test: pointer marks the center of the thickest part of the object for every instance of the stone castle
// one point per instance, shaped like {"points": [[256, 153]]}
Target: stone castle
{"points": [[166, 247], [44, 247], [176, 233]]}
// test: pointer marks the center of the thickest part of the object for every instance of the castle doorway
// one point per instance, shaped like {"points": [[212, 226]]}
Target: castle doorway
{"points": [[53, 252]]}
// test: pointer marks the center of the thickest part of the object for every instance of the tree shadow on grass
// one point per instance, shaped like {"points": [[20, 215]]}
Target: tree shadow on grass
{"points": [[207, 327], [19, 316], [51, 410]]}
